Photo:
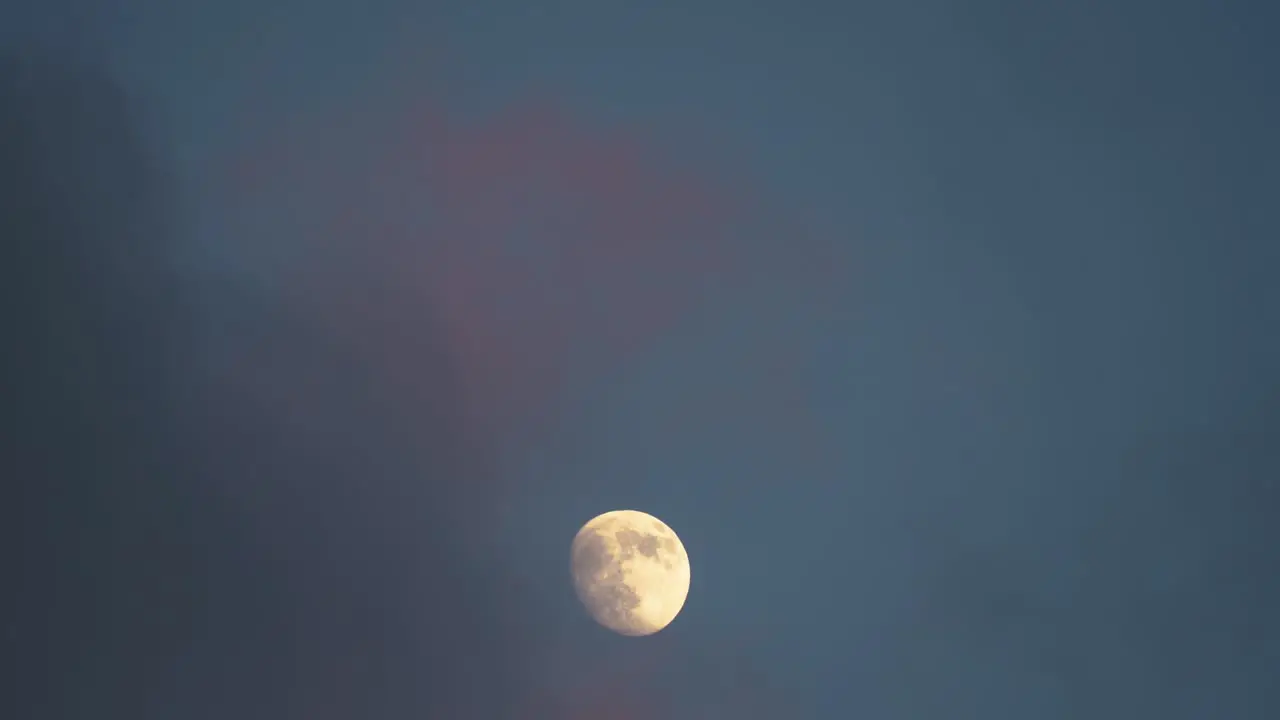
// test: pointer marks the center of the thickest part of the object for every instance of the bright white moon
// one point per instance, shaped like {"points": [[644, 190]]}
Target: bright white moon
{"points": [[630, 571]]}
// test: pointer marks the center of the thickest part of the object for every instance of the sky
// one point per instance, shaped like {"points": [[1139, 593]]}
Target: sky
{"points": [[941, 332]]}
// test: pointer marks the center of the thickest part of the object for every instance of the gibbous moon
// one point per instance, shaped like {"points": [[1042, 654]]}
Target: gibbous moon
{"points": [[630, 571]]}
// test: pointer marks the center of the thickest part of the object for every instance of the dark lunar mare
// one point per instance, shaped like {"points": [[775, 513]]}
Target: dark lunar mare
{"points": [[633, 542]]}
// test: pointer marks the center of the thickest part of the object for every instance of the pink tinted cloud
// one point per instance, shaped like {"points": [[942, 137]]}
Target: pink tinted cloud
{"points": [[536, 239], [536, 244]]}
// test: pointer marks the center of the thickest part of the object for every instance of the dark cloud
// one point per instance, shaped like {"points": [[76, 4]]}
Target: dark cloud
{"points": [[222, 513], [92, 322]]}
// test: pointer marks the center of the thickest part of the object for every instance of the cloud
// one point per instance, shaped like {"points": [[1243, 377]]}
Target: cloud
{"points": [[548, 246], [92, 322], [223, 509]]}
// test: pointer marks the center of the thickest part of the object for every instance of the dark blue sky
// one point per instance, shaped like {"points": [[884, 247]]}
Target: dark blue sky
{"points": [[942, 332]]}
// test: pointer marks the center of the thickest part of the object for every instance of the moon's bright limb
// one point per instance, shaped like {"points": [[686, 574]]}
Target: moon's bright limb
{"points": [[630, 571]]}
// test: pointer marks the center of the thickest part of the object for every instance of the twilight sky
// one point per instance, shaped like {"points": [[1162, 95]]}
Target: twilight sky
{"points": [[942, 332]]}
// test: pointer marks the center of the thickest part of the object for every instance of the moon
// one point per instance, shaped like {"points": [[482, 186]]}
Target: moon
{"points": [[630, 571]]}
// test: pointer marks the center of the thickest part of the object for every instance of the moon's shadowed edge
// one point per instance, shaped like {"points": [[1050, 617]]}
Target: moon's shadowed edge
{"points": [[601, 585]]}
